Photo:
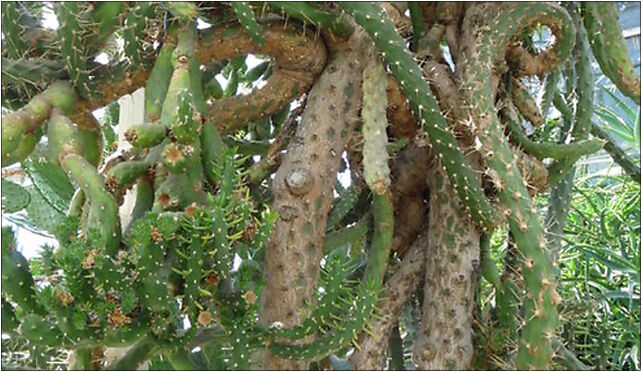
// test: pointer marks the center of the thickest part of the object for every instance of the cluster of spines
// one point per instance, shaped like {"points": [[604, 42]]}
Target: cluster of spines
{"points": [[406, 71]]}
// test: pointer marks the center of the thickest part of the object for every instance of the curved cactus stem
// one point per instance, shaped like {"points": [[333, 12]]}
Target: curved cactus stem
{"points": [[76, 203], [18, 126], [306, 12], [425, 107], [144, 198], [618, 155], [299, 59], [540, 312], [245, 16], [557, 151], [103, 212], [604, 31]]}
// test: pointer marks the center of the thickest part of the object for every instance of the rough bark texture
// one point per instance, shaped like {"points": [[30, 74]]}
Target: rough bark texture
{"points": [[303, 188], [398, 290], [445, 340]]}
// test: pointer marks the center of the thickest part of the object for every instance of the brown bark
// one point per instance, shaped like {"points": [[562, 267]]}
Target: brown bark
{"points": [[303, 189], [445, 340], [398, 290]]}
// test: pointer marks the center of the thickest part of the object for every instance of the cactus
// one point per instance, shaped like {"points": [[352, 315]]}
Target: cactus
{"points": [[609, 47], [540, 311], [200, 188], [339, 26], [29, 119], [424, 106], [146, 135]]}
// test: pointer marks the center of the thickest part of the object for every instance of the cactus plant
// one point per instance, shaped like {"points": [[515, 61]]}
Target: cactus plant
{"points": [[224, 237]]}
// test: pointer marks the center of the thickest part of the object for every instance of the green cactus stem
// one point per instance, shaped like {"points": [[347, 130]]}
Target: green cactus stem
{"points": [[72, 46], [425, 107], [373, 113], [134, 32], [104, 212], [540, 313], [124, 174], [67, 138], [12, 30], [20, 70], [158, 81], [618, 155], [551, 150], [245, 16], [19, 125], [17, 282], [550, 88], [563, 171], [144, 198], [177, 113], [604, 31], [417, 19], [560, 170], [10, 323], [146, 135], [306, 12]]}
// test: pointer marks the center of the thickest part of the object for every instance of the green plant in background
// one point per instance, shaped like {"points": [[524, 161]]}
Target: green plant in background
{"points": [[236, 254]]}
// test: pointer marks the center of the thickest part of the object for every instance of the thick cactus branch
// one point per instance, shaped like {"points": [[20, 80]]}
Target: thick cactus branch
{"points": [[298, 59], [540, 310], [604, 31]]}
